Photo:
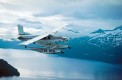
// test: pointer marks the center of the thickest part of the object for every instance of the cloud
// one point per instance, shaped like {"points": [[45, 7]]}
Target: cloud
{"points": [[48, 14], [69, 8], [29, 23], [84, 9]]}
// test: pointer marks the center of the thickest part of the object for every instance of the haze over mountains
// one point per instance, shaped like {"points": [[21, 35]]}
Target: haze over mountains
{"points": [[100, 45]]}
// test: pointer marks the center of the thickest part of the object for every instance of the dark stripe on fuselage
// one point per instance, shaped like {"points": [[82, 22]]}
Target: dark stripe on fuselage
{"points": [[23, 39], [46, 38]]}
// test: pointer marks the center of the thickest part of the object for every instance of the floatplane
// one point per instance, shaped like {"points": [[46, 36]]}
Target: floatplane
{"points": [[48, 42]]}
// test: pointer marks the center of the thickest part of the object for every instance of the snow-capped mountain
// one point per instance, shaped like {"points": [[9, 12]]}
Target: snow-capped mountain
{"points": [[105, 47], [98, 31], [107, 37], [120, 28]]}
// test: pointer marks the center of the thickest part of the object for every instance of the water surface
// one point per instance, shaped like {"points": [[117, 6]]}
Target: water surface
{"points": [[38, 66]]}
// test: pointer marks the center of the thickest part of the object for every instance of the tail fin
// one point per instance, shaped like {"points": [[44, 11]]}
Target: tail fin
{"points": [[20, 30]]}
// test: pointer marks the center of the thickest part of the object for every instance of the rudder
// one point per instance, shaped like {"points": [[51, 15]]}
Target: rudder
{"points": [[20, 30]]}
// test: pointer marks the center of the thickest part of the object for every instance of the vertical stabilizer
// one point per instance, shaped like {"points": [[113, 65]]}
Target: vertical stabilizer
{"points": [[20, 30]]}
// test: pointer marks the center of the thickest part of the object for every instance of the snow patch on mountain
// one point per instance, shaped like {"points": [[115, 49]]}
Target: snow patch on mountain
{"points": [[108, 38]]}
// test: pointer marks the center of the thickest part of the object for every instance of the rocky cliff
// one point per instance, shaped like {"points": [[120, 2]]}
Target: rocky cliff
{"points": [[6, 70]]}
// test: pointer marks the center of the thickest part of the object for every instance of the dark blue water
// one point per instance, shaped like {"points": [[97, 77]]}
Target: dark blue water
{"points": [[38, 66]]}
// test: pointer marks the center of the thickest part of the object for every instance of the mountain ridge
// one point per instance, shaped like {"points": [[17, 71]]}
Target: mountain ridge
{"points": [[101, 47], [105, 47]]}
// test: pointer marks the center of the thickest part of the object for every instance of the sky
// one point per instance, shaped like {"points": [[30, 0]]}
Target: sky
{"points": [[90, 15]]}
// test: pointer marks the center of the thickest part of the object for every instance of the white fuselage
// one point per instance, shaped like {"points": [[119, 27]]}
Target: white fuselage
{"points": [[46, 39], [48, 42]]}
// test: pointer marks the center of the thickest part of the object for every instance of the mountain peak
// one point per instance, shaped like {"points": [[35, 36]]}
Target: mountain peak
{"points": [[99, 31], [119, 27]]}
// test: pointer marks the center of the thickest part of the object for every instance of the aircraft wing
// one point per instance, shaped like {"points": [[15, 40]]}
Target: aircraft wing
{"points": [[41, 36]]}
